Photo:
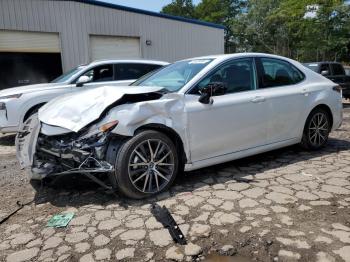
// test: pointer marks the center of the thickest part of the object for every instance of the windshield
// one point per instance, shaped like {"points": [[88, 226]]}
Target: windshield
{"points": [[68, 75], [313, 67], [174, 76]]}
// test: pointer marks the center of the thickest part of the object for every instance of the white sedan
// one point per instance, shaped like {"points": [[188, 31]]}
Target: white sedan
{"points": [[19, 103], [191, 114]]}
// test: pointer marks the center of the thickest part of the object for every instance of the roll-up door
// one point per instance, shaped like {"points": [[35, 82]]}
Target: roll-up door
{"points": [[29, 42], [114, 47]]}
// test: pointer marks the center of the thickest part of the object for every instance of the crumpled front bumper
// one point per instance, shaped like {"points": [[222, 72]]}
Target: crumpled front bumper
{"points": [[42, 156], [25, 142]]}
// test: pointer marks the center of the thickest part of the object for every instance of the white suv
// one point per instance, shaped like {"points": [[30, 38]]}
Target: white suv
{"points": [[18, 103]]}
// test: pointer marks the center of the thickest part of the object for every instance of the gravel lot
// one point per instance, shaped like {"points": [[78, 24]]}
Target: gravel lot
{"points": [[285, 205]]}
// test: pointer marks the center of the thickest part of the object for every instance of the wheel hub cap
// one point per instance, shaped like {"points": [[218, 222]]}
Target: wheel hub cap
{"points": [[318, 129], [151, 166]]}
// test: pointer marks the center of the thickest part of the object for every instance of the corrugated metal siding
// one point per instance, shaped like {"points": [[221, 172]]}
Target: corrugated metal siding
{"points": [[171, 40]]}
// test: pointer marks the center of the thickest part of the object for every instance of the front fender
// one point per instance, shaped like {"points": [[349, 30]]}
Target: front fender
{"points": [[168, 111]]}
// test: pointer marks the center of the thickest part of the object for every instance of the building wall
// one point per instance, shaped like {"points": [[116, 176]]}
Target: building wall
{"points": [[171, 40]]}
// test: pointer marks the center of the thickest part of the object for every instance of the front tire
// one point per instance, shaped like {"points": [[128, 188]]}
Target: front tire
{"points": [[146, 164], [316, 130]]}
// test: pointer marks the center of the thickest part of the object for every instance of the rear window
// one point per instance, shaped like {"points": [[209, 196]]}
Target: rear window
{"points": [[313, 67], [277, 72]]}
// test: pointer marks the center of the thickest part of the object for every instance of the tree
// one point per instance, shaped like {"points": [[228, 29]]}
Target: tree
{"points": [[282, 27], [184, 8], [222, 12], [215, 11], [306, 30]]}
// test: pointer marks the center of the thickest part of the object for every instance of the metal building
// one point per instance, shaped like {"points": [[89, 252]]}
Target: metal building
{"points": [[48, 37]]}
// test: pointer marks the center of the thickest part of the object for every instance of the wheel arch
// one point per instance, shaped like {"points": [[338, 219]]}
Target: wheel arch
{"points": [[31, 110], [327, 109], [171, 133]]}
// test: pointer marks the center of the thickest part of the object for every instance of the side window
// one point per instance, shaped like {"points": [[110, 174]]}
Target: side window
{"points": [[133, 71], [338, 69], [279, 73], [101, 73], [238, 75], [325, 68]]}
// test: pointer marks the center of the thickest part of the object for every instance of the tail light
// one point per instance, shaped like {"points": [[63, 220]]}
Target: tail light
{"points": [[337, 88]]}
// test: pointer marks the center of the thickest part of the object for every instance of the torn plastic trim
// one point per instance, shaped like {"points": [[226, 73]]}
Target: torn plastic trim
{"points": [[26, 141], [102, 167], [69, 154]]}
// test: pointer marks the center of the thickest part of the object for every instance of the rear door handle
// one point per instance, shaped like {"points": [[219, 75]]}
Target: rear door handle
{"points": [[258, 99]]}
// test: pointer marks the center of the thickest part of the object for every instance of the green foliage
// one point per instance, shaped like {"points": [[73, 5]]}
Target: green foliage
{"points": [[222, 12], [283, 27], [184, 8]]}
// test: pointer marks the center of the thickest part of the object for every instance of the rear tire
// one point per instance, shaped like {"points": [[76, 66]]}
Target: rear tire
{"points": [[146, 164], [316, 130]]}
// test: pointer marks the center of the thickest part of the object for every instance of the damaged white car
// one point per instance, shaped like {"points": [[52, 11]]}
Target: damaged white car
{"points": [[191, 114]]}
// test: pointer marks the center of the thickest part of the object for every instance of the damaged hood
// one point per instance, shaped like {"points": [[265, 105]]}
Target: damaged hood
{"points": [[75, 111]]}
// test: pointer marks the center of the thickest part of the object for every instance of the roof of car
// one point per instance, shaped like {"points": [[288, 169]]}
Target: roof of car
{"points": [[132, 61], [322, 62], [250, 54]]}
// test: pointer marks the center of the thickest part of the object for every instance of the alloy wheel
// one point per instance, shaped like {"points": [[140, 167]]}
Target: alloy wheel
{"points": [[318, 129], [151, 166]]}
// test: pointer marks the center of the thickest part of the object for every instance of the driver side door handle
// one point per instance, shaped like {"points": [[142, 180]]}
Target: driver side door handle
{"points": [[258, 99]]}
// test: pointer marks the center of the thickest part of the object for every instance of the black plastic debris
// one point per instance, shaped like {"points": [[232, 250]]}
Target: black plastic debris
{"points": [[20, 206], [163, 216]]}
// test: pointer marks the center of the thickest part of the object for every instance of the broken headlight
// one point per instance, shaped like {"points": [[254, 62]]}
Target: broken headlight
{"points": [[101, 129]]}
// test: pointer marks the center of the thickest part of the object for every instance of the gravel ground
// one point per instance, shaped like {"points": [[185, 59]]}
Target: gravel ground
{"points": [[285, 205]]}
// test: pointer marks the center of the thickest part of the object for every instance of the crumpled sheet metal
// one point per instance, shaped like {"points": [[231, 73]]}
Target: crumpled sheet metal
{"points": [[168, 111], [77, 110], [26, 141]]}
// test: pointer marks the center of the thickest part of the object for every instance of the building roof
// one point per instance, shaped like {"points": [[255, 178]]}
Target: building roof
{"points": [[145, 12]]}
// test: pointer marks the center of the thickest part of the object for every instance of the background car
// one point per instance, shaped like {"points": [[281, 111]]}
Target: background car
{"points": [[191, 114], [17, 104], [347, 70], [333, 71]]}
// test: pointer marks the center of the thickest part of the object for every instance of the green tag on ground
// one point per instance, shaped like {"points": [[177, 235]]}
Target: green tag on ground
{"points": [[60, 220]]}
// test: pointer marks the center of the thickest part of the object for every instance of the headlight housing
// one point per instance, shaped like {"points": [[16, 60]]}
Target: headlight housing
{"points": [[101, 129], [108, 126], [11, 96], [2, 106]]}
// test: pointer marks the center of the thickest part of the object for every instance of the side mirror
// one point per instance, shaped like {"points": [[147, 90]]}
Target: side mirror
{"points": [[82, 80], [325, 72], [212, 89]]}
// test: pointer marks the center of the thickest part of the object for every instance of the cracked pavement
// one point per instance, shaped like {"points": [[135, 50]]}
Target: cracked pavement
{"points": [[285, 205]]}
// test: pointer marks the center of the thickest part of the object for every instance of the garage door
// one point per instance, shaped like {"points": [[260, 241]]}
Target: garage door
{"points": [[28, 58], [29, 42], [114, 47]]}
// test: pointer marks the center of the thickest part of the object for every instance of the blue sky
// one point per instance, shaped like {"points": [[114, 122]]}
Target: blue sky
{"points": [[150, 5]]}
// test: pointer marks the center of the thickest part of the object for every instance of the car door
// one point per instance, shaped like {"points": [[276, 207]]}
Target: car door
{"points": [[339, 77], [100, 75], [234, 121], [286, 96], [127, 73]]}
